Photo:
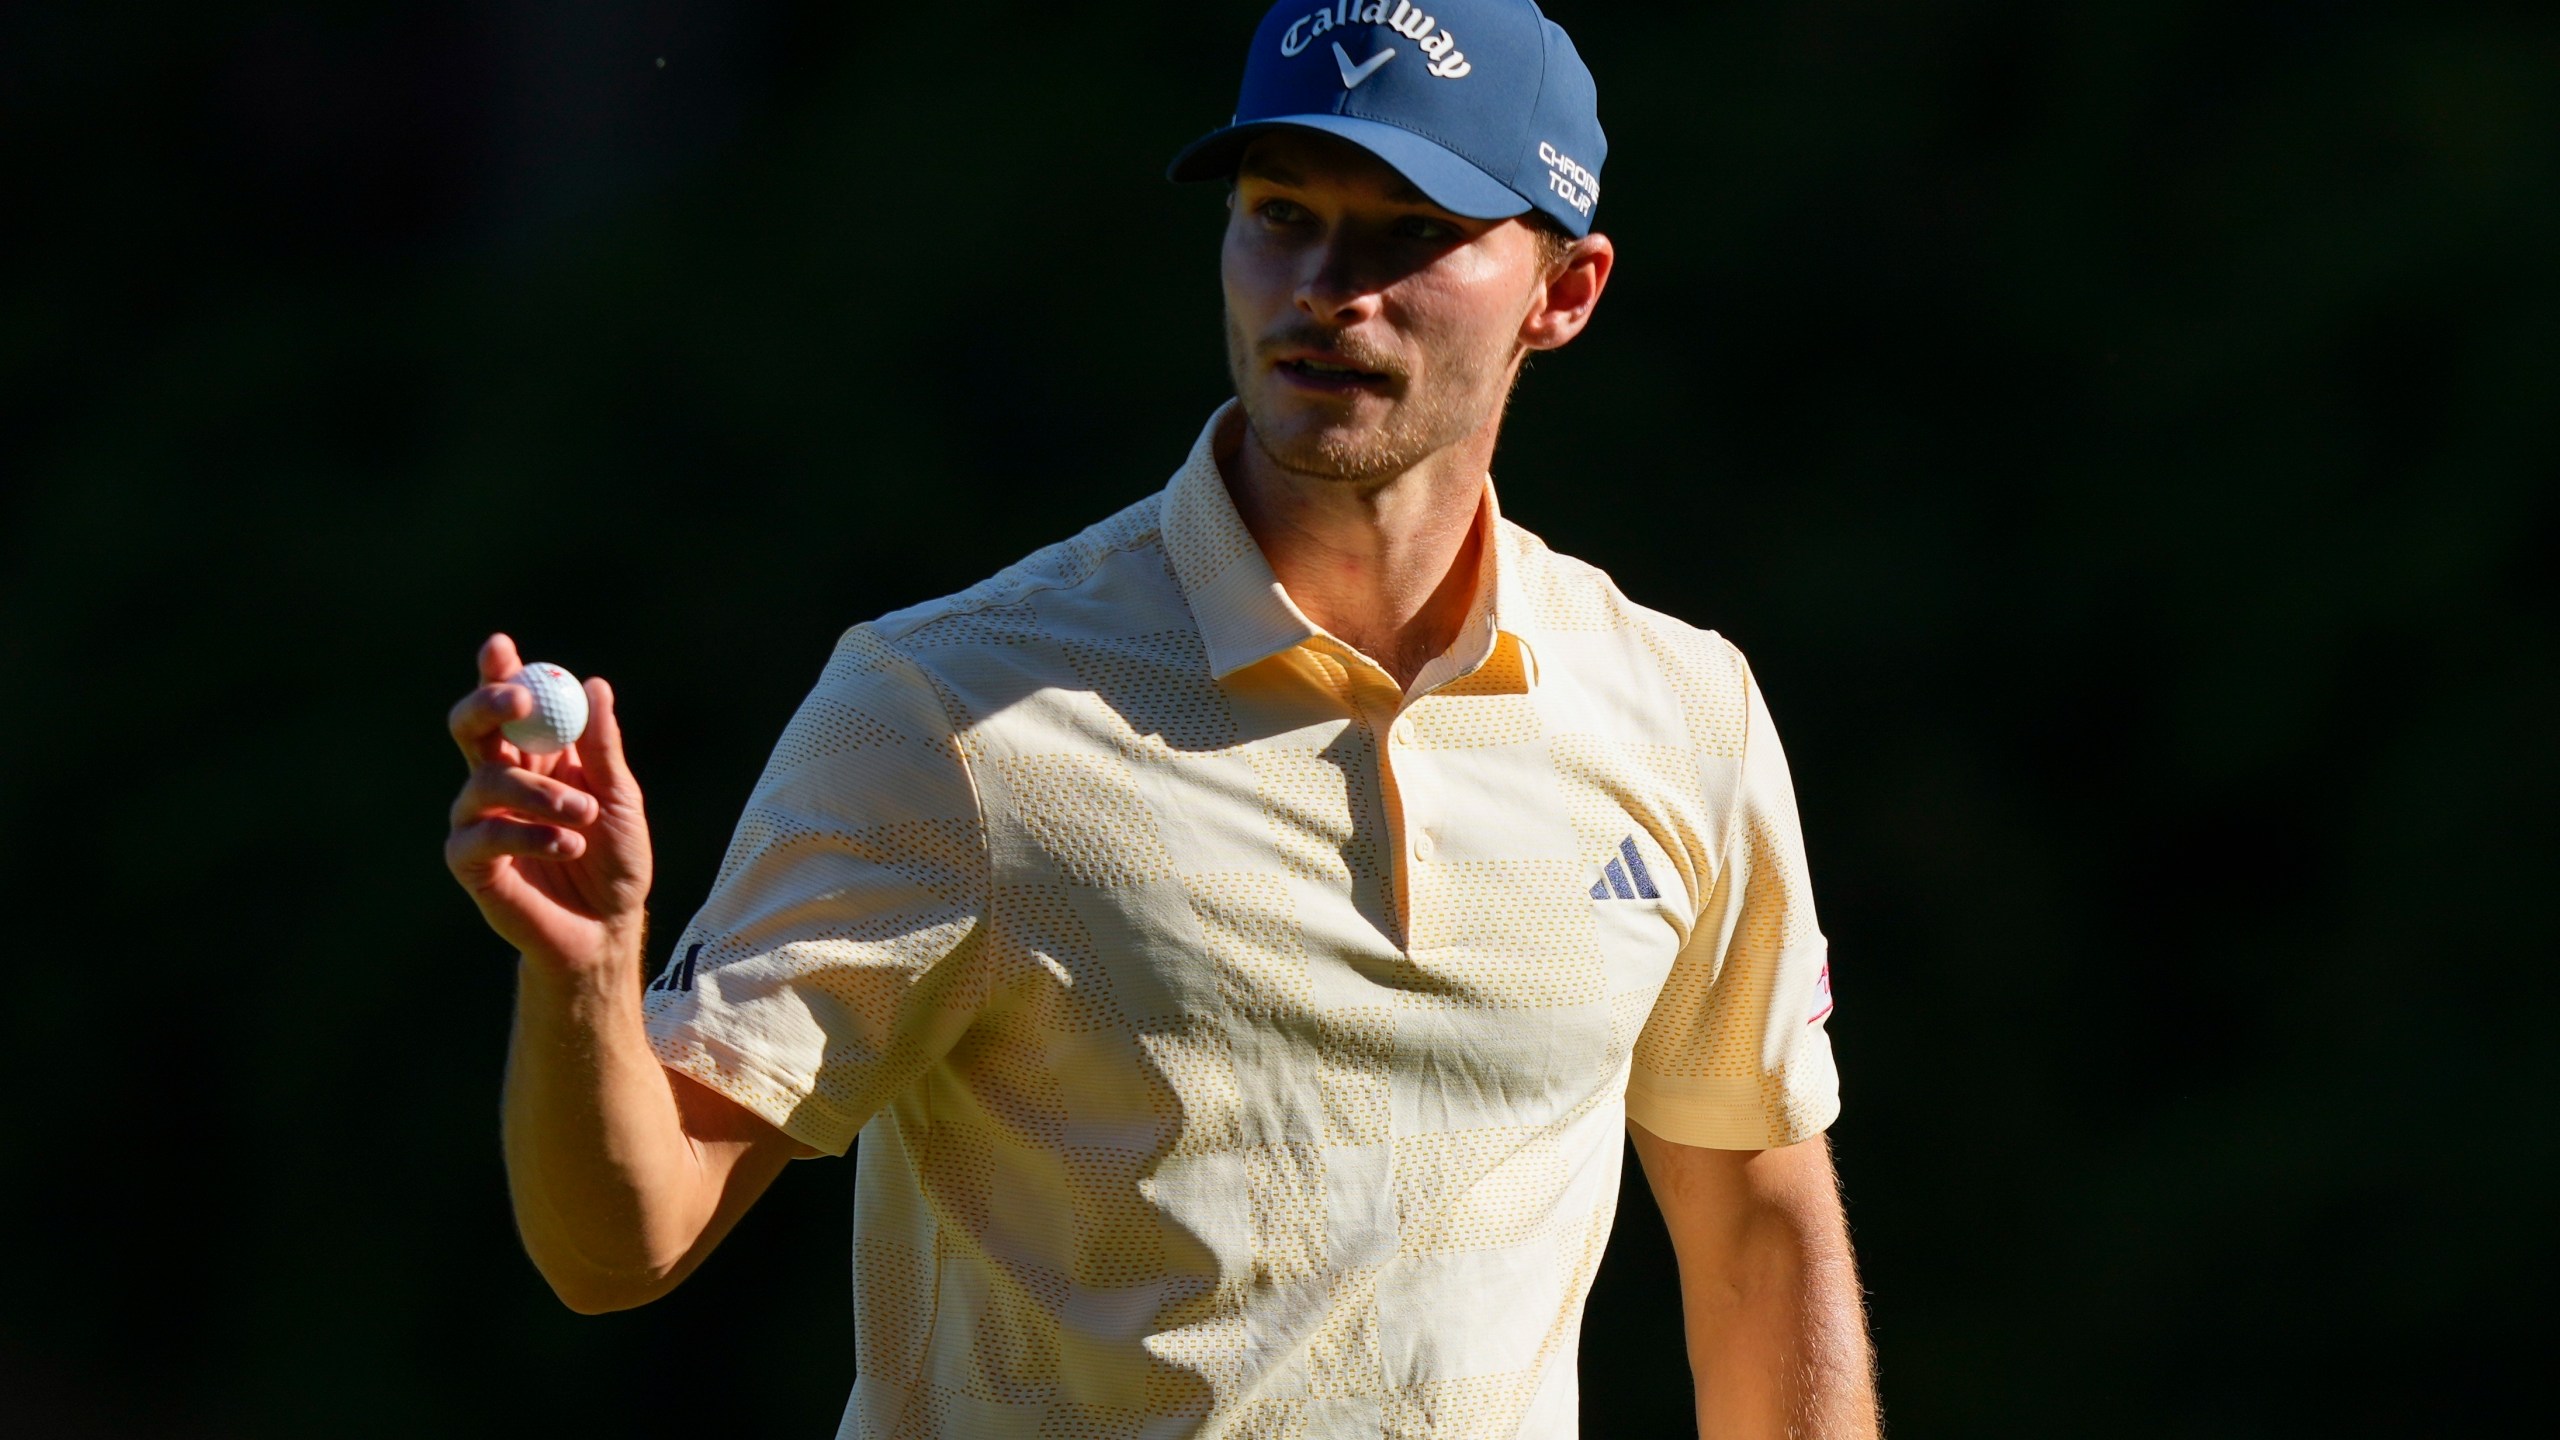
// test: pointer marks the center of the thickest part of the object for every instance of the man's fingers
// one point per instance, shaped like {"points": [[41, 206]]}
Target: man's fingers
{"points": [[471, 849], [498, 658], [600, 748], [495, 789], [475, 718]]}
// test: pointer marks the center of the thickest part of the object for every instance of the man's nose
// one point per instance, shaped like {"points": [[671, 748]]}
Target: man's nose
{"points": [[1334, 289]]}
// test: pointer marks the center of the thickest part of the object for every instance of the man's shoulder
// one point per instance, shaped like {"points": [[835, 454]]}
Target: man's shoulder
{"points": [[1053, 585], [1024, 628], [1576, 606]]}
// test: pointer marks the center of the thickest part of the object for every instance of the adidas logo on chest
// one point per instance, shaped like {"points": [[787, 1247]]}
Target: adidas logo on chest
{"points": [[1625, 876]]}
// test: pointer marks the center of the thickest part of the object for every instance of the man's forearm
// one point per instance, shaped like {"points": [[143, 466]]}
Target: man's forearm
{"points": [[608, 1190]]}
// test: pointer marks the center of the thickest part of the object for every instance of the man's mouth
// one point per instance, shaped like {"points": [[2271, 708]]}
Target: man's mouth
{"points": [[1321, 374]]}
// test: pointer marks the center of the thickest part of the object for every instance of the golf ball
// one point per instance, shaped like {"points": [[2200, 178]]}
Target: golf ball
{"points": [[559, 710]]}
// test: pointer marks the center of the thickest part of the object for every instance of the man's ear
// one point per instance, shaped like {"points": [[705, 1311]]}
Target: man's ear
{"points": [[1570, 293]]}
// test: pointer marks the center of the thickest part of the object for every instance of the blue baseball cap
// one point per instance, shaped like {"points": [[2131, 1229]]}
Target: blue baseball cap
{"points": [[1482, 104]]}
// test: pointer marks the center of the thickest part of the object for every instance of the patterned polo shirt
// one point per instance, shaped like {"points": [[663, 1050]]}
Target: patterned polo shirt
{"points": [[1238, 1044]]}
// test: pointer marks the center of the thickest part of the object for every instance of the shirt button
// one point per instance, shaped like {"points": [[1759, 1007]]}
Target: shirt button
{"points": [[1404, 731], [1422, 846]]}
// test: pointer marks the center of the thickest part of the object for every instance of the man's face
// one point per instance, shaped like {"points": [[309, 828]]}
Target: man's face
{"points": [[1367, 328]]}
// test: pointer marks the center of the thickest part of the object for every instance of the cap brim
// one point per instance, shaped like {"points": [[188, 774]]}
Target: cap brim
{"points": [[1454, 183]]}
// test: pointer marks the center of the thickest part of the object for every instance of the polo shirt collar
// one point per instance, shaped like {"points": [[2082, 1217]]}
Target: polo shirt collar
{"points": [[1244, 614]]}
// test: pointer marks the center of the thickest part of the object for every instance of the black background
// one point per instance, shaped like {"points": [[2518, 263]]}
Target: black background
{"points": [[2122, 434]]}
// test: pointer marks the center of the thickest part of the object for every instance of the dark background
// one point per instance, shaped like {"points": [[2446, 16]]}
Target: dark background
{"points": [[2123, 435]]}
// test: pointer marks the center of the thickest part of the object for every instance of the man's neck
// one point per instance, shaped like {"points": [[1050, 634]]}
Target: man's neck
{"points": [[1388, 567]]}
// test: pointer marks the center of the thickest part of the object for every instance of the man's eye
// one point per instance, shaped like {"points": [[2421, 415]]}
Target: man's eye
{"points": [[1423, 227], [1283, 212]]}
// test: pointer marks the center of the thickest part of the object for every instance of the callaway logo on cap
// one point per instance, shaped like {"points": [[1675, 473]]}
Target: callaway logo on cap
{"points": [[1482, 104]]}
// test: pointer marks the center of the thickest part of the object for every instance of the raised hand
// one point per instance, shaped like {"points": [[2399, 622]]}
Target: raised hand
{"points": [[553, 848]]}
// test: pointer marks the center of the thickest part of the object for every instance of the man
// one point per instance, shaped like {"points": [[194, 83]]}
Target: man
{"points": [[1238, 934]]}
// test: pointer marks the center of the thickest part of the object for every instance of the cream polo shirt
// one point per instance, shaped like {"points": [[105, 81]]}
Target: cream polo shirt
{"points": [[1238, 1045]]}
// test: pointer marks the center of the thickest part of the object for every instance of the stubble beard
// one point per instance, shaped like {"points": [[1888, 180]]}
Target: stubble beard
{"points": [[1466, 389]]}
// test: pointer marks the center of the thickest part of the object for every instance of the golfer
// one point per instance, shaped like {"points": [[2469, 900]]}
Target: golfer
{"points": [[1232, 941]]}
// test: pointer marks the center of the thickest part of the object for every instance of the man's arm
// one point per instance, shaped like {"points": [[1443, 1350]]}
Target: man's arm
{"points": [[1768, 1290], [624, 1176]]}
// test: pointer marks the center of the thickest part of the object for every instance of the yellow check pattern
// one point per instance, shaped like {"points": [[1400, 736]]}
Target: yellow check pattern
{"points": [[1239, 1045]]}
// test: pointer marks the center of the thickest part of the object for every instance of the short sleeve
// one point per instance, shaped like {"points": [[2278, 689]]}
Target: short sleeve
{"points": [[1735, 1055], [838, 955]]}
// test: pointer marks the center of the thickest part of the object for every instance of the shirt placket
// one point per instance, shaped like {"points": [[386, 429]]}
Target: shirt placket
{"points": [[1379, 707]]}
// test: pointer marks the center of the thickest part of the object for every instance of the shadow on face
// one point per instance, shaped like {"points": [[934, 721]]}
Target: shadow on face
{"points": [[1386, 225]]}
